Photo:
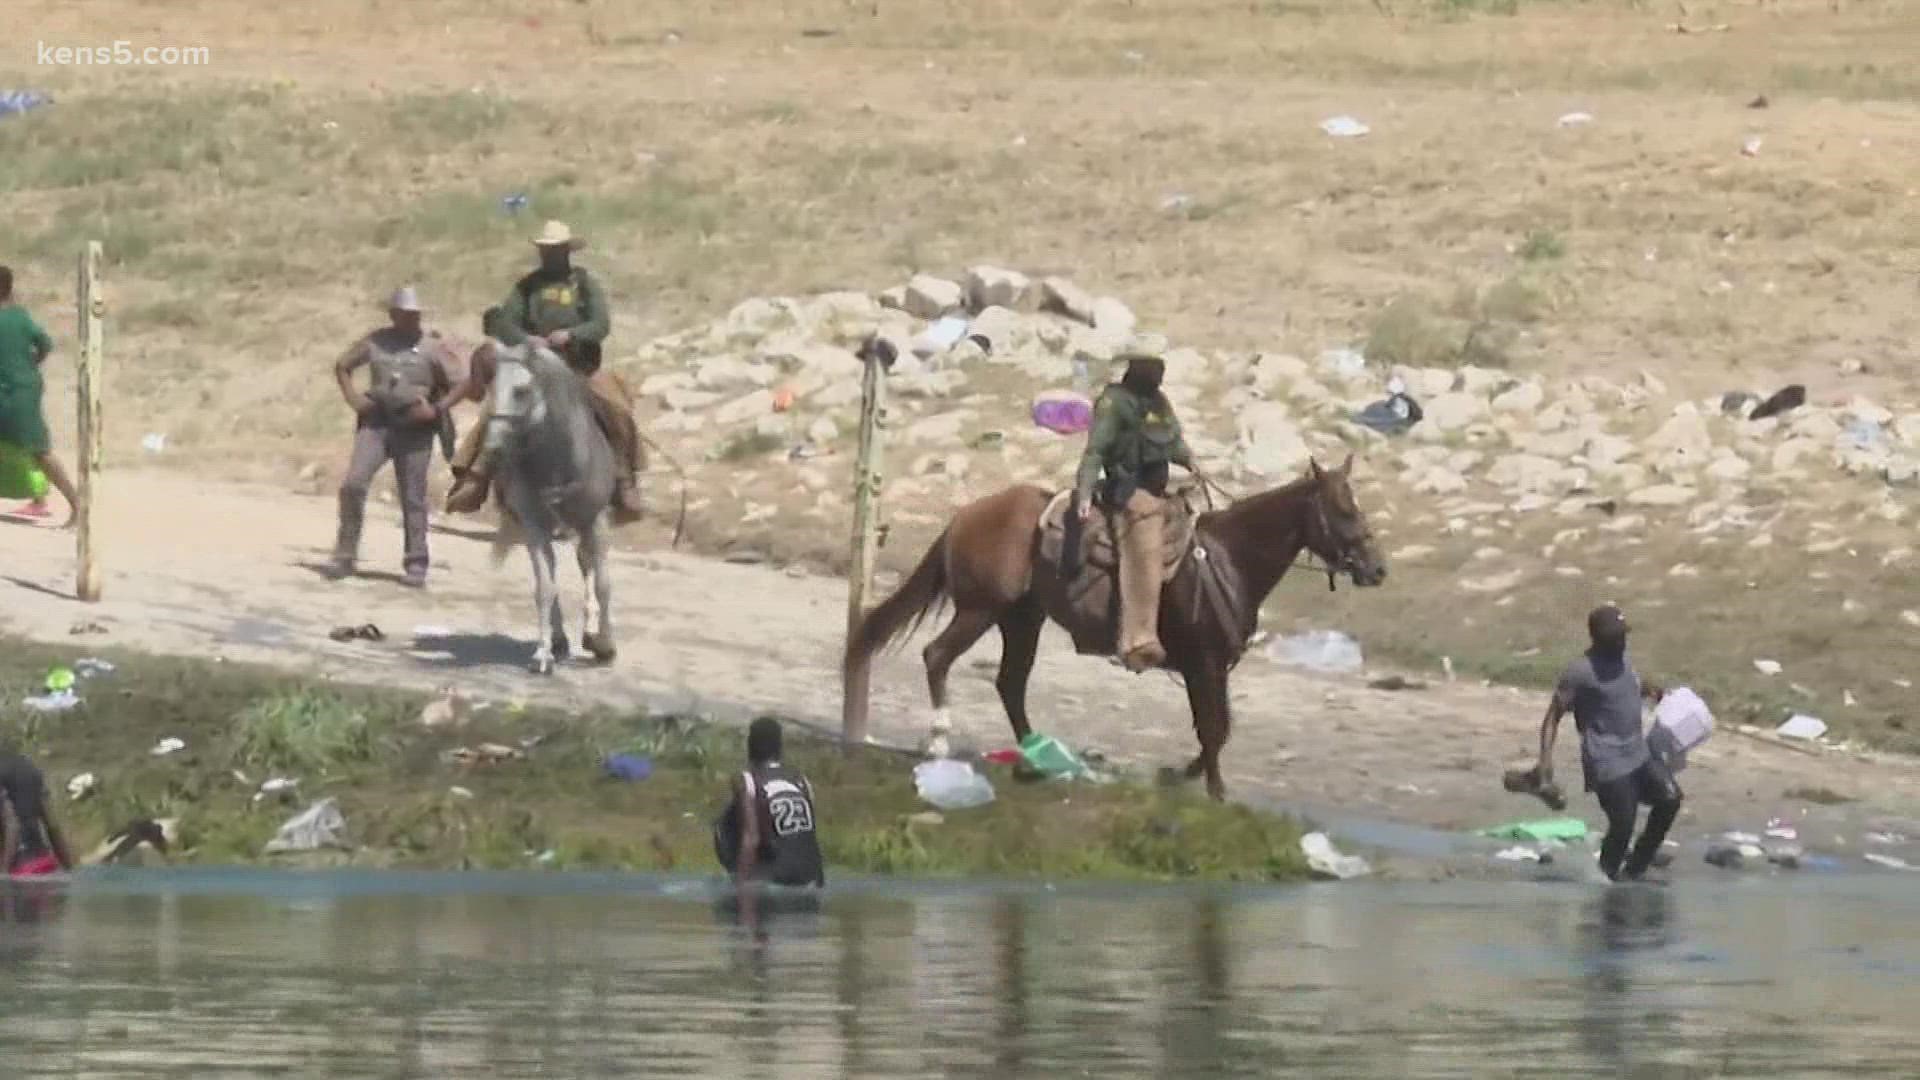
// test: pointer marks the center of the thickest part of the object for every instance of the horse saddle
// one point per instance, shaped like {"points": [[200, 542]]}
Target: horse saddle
{"points": [[1099, 554]]}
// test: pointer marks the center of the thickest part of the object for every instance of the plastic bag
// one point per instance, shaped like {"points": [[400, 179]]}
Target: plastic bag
{"points": [[1543, 829], [315, 827], [20, 475], [1318, 650], [1062, 412], [951, 785], [1049, 756]]}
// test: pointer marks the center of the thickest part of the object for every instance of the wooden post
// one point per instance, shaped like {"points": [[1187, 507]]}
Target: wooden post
{"points": [[866, 514], [93, 313]]}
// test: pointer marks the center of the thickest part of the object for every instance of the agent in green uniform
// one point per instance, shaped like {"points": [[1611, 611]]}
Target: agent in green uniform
{"points": [[564, 307], [23, 348], [1135, 437]]}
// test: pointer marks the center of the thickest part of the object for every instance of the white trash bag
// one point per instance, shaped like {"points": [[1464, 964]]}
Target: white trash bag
{"points": [[951, 785], [315, 827]]}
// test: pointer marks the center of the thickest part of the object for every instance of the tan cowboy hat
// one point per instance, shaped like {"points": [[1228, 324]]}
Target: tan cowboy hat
{"points": [[404, 299], [557, 234]]}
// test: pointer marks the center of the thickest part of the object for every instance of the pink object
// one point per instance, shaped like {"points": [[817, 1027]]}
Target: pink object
{"points": [[1063, 412], [38, 866], [1003, 757], [33, 510]]}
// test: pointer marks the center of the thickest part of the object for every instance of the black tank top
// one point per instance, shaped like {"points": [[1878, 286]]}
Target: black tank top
{"points": [[789, 850]]}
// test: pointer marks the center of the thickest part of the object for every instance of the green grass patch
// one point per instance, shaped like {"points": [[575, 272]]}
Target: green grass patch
{"points": [[408, 805]]}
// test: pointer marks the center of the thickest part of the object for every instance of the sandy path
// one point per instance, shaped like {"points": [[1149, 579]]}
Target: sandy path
{"points": [[200, 569]]}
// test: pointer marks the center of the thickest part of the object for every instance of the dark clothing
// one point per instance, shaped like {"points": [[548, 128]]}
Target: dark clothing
{"points": [[1620, 799], [1135, 436], [542, 303], [789, 848], [1603, 693], [25, 790], [410, 448], [22, 346], [402, 369]]}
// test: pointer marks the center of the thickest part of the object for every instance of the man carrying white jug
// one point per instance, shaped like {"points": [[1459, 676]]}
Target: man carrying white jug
{"points": [[1604, 694]]}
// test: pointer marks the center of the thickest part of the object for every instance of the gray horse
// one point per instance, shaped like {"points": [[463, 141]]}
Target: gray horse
{"points": [[555, 473]]}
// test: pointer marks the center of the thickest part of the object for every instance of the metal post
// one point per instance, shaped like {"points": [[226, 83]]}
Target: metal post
{"points": [[92, 315], [866, 514]]}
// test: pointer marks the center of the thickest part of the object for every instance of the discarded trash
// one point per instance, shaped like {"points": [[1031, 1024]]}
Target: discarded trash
{"points": [[1735, 402], [1786, 399], [1526, 781], [315, 827], [14, 102], [627, 766], [276, 787], [1864, 434], [450, 709], [1886, 838], [484, 754], [1176, 202], [1576, 119], [1802, 726], [1049, 757], [783, 399], [88, 666], [1782, 832], [459, 792], [363, 632], [1751, 147], [1891, 862], [1062, 412], [1542, 829], [167, 746], [1767, 667], [1396, 682], [1317, 650], [87, 626], [514, 203], [1343, 363], [1523, 854], [81, 786], [1733, 856], [1002, 757], [1760, 102], [59, 679], [951, 785], [1326, 861], [944, 334], [154, 443], [1391, 415], [57, 702], [1344, 127]]}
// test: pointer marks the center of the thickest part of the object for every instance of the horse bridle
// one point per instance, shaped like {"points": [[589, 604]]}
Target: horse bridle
{"points": [[1345, 562]]}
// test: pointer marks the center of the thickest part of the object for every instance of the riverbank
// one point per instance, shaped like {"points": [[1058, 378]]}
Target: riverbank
{"points": [[411, 799]]}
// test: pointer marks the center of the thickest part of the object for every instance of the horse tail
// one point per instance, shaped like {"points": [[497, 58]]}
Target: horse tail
{"points": [[899, 615]]}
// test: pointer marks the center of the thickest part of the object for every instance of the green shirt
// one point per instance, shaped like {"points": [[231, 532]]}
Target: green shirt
{"points": [[542, 303], [22, 345], [1131, 432]]}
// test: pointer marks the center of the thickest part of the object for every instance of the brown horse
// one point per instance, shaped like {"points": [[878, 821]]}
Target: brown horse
{"points": [[989, 563]]}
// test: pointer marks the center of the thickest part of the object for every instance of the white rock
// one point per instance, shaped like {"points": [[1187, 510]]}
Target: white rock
{"points": [[1111, 315], [1495, 584], [929, 297], [894, 299], [662, 381], [731, 373], [1411, 553], [1439, 480], [1553, 417], [1560, 446], [1454, 411], [1525, 473], [742, 409], [1481, 382], [1817, 424], [1006, 333], [823, 430], [1424, 383], [1684, 431], [686, 399], [756, 318], [1792, 452], [940, 428], [1063, 296], [1270, 443], [1186, 368], [1525, 398], [1661, 495], [1604, 450], [840, 316], [991, 286], [1729, 467]]}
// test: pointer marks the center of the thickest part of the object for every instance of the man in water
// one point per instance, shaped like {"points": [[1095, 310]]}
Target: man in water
{"points": [[767, 831], [31, 845], [398, 418], [565, 308], [1604, 694], [1135, 437], [23, 422]]}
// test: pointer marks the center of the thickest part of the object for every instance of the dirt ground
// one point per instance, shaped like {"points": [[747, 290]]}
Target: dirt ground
{"points": [[228, 571]]}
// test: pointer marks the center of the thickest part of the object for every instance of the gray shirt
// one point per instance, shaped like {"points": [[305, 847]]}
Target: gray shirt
{"points": [[1604, 696]]}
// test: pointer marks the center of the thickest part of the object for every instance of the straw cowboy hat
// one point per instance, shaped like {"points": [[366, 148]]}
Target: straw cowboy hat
{"points": [[404, 299], [556, 234]]}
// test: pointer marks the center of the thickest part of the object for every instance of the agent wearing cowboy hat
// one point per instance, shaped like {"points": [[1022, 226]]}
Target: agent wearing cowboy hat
{"points": [[563, 306], [1135, 437], [400, 415]]}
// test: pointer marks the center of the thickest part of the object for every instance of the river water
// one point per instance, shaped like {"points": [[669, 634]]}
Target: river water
{"points": [[242, 973]]}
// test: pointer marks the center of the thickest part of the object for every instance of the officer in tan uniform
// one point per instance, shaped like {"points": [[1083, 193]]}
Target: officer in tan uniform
{"points": [[1135, 437], [399, 417]]}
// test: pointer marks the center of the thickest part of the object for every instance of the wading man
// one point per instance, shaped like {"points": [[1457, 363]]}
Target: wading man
{"points": [[1604, 694], [565, 308], [400, 416], [30, 843], [767, 832], [1135, 437]]}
